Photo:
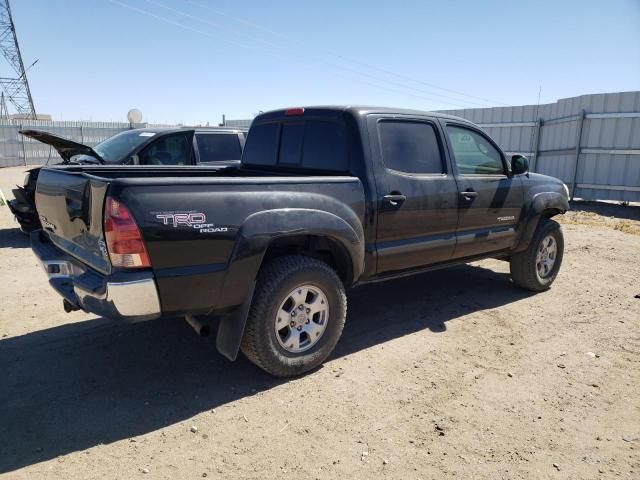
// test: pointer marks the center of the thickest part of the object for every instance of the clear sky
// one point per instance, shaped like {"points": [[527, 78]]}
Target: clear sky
{"points": [[191, 61]]}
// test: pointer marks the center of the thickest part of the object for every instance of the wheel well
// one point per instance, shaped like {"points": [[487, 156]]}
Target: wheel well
{"points": [[552, 212], [326, 249]]}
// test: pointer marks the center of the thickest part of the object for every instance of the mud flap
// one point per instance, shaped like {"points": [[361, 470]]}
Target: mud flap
{"points": [[231, 328]]}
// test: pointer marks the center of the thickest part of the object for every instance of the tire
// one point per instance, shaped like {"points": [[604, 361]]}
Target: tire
{"points": [[277, 303], [528, 270]]}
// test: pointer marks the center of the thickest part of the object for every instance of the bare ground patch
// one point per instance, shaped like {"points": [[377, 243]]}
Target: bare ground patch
{"points": [[451, 374]]}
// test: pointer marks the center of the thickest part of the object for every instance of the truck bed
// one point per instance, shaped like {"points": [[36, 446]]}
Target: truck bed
{"points": [[229, 203]]}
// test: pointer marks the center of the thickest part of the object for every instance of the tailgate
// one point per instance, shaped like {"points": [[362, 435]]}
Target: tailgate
{"points": [[70, 205]]}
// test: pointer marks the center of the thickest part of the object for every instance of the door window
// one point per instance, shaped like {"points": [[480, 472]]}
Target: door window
{"points": [[410, 147], [218, 147], [169, 150], [473, 153]]}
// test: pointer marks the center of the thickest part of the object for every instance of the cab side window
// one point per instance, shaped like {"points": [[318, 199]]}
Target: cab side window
{"points": [[473, 153], [169, 150], [410, 147]]}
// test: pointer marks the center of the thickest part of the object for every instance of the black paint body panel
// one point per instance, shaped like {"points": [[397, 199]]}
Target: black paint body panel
{"points": [[206, 269]]}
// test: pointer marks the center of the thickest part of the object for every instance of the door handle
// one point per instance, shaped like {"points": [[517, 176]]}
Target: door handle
{"points": [[469, 194], [395, 199]]}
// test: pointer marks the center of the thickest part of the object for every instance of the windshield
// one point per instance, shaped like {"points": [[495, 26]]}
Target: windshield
{"points": [[115, 149]]}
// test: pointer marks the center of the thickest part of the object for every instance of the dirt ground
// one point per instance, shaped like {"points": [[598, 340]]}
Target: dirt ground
{"points": [[451, 374]]}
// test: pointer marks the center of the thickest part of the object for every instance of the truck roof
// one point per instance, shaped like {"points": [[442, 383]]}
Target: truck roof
{"points": [[359, 110]]}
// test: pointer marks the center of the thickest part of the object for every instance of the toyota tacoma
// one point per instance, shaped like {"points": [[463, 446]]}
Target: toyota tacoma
{"points": [[325, 199]]}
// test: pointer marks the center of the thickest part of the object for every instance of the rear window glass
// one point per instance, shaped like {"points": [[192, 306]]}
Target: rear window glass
{"points": [[312, 144], [325, 146], [410, 147], [291, 143], [218, 147], [262, 145]]}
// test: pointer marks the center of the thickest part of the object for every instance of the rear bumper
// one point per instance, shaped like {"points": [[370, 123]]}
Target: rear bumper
{"points": [[130, 296]]}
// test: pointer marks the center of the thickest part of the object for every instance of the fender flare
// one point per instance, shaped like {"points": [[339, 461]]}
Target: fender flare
{"points": [[254, 237], [540, 203]]}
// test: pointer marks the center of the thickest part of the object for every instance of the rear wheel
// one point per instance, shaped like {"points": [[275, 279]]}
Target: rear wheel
{"points": [[537, 267], [297, 316]]}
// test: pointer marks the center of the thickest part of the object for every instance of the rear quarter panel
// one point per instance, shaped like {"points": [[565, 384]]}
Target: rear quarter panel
{"points": [[190, 228]]}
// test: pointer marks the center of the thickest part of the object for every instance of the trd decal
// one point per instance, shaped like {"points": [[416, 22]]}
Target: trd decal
{"points": [[506, 219], [188, 219], [195, 220]]}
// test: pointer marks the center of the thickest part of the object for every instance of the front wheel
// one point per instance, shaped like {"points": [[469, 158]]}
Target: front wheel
{"points": [[537, 267], [296, 317]]}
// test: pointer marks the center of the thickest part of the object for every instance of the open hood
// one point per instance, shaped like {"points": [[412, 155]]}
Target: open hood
{"points": [[66, 148]]}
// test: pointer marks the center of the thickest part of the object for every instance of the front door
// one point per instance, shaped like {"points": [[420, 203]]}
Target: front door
{"points": [[417, 194], [173, 149], [490, 199]]}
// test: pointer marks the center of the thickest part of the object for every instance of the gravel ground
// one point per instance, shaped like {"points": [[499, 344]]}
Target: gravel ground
{"points": [[451, 374]]}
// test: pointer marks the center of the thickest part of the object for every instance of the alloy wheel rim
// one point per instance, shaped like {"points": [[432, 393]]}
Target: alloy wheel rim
{"points": [[302, 318], [546, 256]]}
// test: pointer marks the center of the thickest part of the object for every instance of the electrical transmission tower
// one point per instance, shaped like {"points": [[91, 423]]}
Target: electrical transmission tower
{"points": [[14, 86]]}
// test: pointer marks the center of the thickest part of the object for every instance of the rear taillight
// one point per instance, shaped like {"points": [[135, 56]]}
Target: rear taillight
{"points": [[124, 241]]}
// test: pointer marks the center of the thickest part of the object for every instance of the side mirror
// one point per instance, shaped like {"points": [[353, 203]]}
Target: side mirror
{"points": [[133, 160], [519, 164]]}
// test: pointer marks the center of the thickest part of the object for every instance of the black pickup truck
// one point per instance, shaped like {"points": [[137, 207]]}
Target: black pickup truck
{"points": [[142, 146], [325, 198]]}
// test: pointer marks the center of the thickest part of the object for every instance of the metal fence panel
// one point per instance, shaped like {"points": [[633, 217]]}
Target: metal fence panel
{"points": [[10, 153], [18, 150], [592, 139], [559, 165]]}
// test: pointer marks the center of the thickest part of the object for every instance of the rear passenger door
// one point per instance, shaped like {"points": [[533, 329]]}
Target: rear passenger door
{"points": [[490, 197], [417, 194]]}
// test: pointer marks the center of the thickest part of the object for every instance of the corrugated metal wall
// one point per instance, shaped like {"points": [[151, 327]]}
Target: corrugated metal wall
{"points": [[591, 142], [243, 123], [18, 150]]}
